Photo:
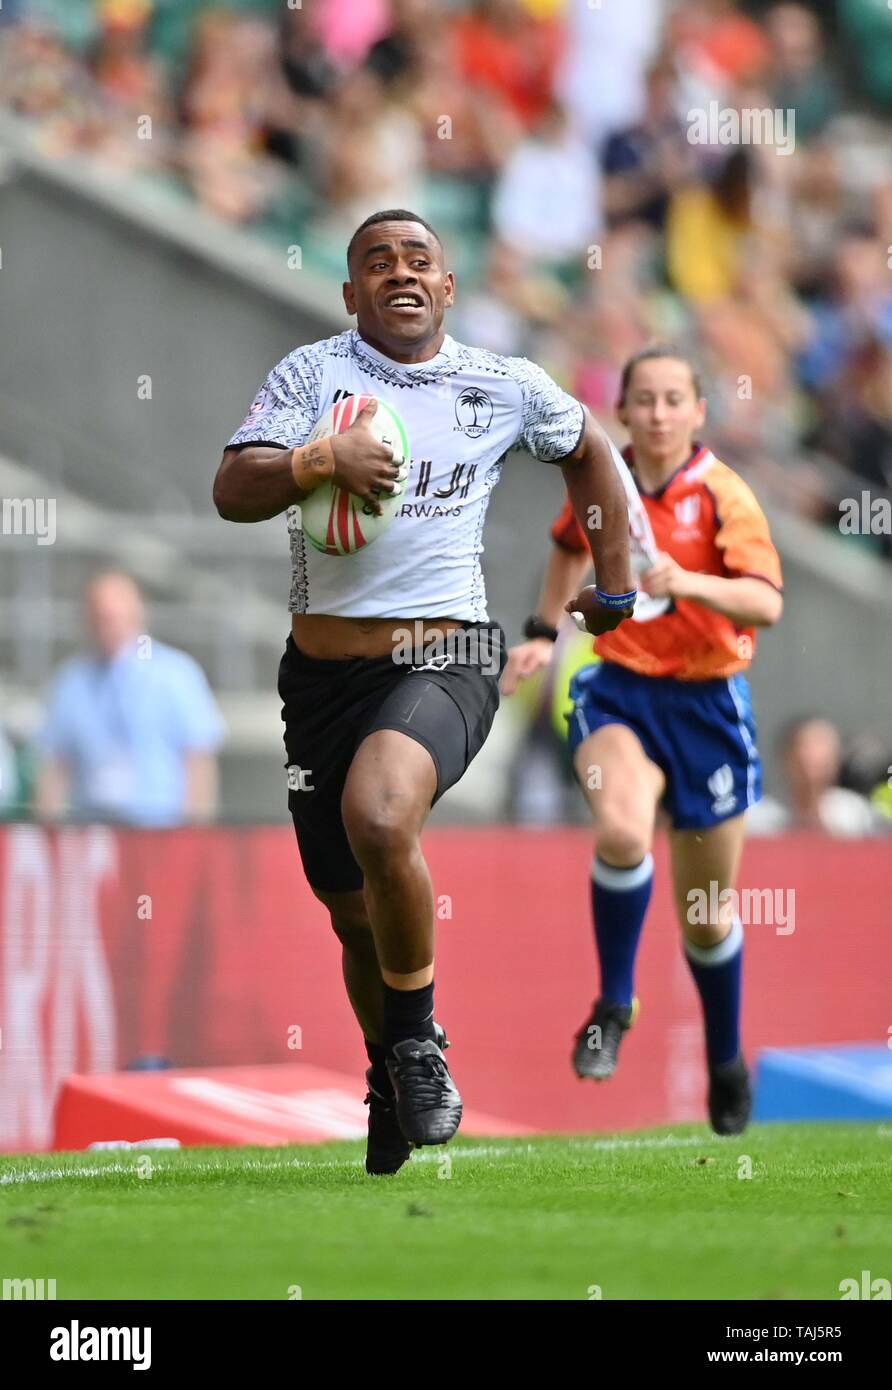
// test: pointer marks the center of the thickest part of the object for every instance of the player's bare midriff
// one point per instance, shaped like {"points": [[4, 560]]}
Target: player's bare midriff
{"points": [[338, 639]]}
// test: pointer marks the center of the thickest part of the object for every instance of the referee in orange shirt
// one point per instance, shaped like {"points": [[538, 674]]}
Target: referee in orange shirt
{"points": [[664, 719]]}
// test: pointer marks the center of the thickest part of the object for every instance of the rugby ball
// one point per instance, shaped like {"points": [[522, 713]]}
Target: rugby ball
{"points": [[333, 520]]}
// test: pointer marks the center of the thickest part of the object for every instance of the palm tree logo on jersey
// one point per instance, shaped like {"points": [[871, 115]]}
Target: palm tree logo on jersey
{"points": [[473, 411]]}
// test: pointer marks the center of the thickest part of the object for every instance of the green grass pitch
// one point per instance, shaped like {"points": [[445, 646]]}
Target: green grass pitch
{"points": [[653, 1215]]}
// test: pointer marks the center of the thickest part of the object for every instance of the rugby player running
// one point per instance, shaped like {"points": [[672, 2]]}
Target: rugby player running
{"points": [[372, 741]]}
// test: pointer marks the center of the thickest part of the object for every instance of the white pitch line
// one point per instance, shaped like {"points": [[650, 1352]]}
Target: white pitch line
{"points": [[58, 1174], [430, 1156]]}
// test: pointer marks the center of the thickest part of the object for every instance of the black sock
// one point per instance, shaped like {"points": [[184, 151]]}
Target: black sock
{"points": [[380, 1077], [408, 1013]]}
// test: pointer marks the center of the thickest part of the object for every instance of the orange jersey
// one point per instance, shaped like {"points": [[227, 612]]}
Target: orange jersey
{"points": [[707, 518]]}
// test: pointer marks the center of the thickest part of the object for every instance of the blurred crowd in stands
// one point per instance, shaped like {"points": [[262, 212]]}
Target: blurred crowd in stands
{"points": [[554, 142]]}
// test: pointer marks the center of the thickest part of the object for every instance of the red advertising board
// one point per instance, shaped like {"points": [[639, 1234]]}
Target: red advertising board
{"points": [[206, 947]]}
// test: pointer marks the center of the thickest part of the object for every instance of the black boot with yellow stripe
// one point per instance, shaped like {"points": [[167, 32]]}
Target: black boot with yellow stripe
{"points": [[597, 1043]]}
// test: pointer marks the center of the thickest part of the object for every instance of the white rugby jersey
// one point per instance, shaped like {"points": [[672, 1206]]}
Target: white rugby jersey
{"points": [[463, 411]]}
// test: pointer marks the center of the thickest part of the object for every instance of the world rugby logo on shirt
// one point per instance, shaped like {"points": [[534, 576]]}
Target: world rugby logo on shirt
{"points": [[473, 411], [687, 518], [721, 784]]}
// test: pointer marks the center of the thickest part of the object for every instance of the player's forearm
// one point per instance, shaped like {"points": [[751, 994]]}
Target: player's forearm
{"points": [[255, 483], [562, 580], [599, 501], [750, 602]]}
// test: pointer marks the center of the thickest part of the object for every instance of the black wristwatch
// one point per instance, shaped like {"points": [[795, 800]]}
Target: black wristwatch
{"points": [[535, 627]]}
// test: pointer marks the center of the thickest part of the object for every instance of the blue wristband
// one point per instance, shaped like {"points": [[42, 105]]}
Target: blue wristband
{"points": [[616, 600]]}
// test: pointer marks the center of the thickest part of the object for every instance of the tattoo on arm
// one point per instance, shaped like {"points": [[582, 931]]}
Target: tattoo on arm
{"points": [[316, 457]]}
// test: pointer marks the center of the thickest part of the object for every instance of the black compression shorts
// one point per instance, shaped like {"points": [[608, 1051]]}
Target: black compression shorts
{"points": [[446, 701]]}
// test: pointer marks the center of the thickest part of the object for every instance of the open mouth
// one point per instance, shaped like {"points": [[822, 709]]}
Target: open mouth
{"points": [[406, 302]]}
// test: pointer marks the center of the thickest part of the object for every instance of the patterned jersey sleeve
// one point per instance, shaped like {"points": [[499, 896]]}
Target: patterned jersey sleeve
{"points": [[742, 535], [566, 530], [286, 408], [552, 421]]}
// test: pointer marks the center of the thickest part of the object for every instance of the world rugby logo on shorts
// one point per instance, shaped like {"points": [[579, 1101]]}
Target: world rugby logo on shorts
{"points": [[721, 784], [473, 411]]}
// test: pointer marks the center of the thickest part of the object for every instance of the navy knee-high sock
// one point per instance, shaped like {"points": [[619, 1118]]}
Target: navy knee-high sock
{"points": [[717, 975], [620, 899]]}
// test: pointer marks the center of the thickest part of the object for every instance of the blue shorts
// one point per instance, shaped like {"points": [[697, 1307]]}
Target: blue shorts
{"points": [[700, 734]]}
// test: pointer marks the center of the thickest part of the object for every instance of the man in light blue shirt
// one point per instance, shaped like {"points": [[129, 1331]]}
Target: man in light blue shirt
{"points": [[131, 729]]}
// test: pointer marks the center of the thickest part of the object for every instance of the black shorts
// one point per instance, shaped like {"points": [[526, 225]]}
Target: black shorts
{"points": [[446, 701]]}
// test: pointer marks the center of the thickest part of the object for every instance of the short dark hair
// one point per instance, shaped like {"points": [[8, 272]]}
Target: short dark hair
{"points": [[391, 215], [655, 352]]}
